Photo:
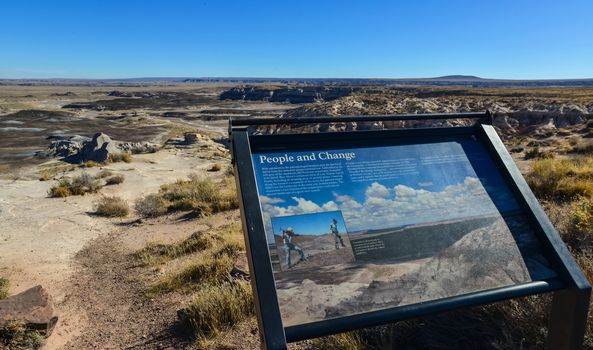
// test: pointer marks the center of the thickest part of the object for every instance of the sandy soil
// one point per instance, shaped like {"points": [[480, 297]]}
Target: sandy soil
{"points": [[41, 236]]}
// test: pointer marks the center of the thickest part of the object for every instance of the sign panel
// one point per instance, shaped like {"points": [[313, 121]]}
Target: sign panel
{"points": [[354, 230]]}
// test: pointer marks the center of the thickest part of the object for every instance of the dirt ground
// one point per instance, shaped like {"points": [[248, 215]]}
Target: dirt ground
{"points": [[56, 243]]}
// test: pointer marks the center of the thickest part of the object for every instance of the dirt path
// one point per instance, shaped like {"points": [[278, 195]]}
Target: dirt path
{"points": [[108, 291]]}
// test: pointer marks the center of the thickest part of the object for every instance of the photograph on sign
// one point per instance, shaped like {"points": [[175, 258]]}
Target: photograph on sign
{"points": [[362, 229], [311, 240]]}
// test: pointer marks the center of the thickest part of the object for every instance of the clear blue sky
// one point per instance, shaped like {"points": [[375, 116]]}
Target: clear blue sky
{"points": [[519, 39]]}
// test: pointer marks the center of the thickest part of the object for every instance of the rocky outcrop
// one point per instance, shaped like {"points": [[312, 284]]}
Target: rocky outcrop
{"points": [[64, 146], [511, 114], [33, 307], [305, 94], [98, 149], [78, 148]]}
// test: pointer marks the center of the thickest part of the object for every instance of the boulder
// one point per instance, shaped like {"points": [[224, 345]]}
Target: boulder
{"points": [[98, 149], [33, 307]]}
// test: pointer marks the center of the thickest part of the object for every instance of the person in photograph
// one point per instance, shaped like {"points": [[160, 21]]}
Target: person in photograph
{"points": [[289, 246], [333, 227]]}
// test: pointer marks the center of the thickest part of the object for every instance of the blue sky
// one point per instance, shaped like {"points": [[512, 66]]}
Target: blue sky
{"points": [[309, 224], [115, 39]]}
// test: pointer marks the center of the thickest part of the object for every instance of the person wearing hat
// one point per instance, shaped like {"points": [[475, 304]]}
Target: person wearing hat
{"points": [[333, 227], [287, 236]]}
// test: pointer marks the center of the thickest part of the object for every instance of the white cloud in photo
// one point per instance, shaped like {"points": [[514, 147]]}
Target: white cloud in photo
{"points": [[377, 190], [402, 205]]}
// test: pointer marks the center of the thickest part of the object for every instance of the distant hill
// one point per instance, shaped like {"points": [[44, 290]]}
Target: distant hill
{"points": [[447, 80]]}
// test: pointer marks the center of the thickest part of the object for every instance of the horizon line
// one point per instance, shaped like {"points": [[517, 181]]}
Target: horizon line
{"points": [[453, 77]]}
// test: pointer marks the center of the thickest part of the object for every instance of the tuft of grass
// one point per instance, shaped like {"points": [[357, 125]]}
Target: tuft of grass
{"points": [[205, 271], [200, 195], [90, 164], [3, 288], [215, 167], [16, 336], [216, 308], [151, 206], [112, 207], [120, 157], [115, 179], [59, 192], [104, 174], [198, 241], [344, 341]]}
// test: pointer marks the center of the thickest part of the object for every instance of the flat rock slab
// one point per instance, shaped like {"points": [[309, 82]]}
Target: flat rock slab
{"points": [[33, 307]]}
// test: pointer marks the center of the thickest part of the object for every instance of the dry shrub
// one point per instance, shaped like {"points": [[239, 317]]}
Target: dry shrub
{"points": [[104, 173], [345, 341], [562, 178], [120, 157], [115, 179], [201, 195], [151, 206], [90, 164], [16, 336], [216, 308], [79, 185], [112, 207], [126, 157], [215, 167], [59, 192], [84, 183], [3, 288]]}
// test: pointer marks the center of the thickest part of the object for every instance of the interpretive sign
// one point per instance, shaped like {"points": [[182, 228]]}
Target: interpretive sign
{"points": [[360, 228]]}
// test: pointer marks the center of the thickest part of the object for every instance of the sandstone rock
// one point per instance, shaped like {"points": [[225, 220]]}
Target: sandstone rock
{"points": [[98, 149], [33, 307]]}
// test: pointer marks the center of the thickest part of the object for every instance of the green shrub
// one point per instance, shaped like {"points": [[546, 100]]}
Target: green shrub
{"points": [[216, 308], [112, 207], [152, 205], [203, 196]]}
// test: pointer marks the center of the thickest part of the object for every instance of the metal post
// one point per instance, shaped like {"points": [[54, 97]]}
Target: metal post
{"points": [[262, 281], [568, 319]]}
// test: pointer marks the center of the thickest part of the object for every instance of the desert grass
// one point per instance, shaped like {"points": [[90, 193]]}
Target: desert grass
{"points": [[151, 206], [219, 300], [562, 179], [78, 185], [112, 206], [203, 196], [212, 260], [3, 288], [16, 336], [216, 308], [156, 252], [115, 179]]}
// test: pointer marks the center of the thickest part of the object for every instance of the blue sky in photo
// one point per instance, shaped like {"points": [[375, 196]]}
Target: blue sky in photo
{"points": [[432, 178], [309, 224], [529, 39]]}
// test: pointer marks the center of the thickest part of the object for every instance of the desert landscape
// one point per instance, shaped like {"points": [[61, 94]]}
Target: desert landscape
{"points": [[118, 199]]}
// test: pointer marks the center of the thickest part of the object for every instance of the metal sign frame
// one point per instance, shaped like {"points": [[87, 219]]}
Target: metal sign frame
{"points": [[571, 289]]}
